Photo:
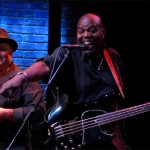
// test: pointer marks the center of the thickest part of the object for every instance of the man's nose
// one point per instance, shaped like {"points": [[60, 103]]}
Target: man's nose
{"points": [[87, 34]]}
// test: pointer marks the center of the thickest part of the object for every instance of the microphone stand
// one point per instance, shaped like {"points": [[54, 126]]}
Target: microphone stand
{"points": [[36, 104]]}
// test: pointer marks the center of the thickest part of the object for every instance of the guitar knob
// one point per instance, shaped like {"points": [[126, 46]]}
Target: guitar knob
{"points": [[61, 144], [73, 148], [66, 147], [79, 146], [71, 141]]}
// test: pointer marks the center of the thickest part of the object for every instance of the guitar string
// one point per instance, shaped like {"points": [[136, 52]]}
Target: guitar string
{"points": [[90, 124], [63, 130], [71, 131]]}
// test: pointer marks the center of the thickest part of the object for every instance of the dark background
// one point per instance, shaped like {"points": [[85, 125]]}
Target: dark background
{"points": [[127, 30]]}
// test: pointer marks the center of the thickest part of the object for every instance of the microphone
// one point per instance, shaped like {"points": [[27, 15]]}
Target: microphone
{"points": [[73, 46]]}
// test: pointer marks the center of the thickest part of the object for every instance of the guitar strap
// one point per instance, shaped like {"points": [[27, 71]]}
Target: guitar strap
{"points": [[112, 68]]}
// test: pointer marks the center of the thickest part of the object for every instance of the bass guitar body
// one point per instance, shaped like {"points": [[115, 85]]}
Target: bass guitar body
{"points": [[74, 126]]}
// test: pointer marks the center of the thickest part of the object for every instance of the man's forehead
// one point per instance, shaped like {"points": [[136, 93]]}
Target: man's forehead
{"points": [[88, 26], [86, 22], [4, 44]]}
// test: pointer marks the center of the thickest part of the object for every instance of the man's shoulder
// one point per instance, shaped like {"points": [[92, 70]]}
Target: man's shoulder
{"points": [[113, 52]]}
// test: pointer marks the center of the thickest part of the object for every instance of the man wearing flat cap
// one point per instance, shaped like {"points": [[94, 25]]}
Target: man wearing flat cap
{"points": [[15, 108]]}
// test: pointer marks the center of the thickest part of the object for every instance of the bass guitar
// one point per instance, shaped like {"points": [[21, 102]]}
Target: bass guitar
{"points": [[74, 126]]}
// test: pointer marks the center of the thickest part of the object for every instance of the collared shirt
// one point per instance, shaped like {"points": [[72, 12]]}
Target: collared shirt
{"points": [[21, 101]]}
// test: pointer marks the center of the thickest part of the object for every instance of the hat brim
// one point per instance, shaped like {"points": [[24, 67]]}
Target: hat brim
{"points": [[11, 42]]}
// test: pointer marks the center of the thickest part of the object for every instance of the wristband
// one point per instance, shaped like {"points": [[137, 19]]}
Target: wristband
{"points": [[26, 76]]}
